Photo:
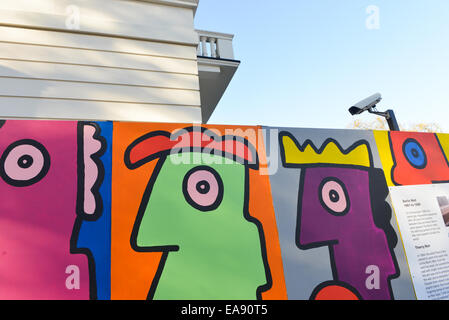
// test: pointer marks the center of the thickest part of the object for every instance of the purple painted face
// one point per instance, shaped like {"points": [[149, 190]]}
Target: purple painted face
{"points": [[335, 210], [38, 187]]}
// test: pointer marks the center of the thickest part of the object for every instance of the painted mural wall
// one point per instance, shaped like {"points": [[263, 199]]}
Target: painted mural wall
{"points": [[118, 210]]}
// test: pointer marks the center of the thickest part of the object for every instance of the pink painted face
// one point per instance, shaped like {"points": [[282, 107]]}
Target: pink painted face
{"points": [[38, 187]]}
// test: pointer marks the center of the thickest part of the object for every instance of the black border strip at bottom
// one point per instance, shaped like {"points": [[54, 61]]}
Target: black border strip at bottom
{"points": [[292, 309]]}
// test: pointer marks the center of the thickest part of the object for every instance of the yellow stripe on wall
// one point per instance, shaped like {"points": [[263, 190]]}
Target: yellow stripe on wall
{"points": [[383, 147]]}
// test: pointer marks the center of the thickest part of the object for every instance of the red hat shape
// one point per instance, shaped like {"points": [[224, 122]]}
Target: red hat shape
{"points": [[158, 144]]}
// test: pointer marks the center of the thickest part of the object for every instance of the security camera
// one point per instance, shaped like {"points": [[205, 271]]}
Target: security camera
{"points": [[369, 104], [366, 104]]}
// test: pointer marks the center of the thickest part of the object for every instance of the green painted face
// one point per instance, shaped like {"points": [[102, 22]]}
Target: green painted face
{"points": [[202, 210]]}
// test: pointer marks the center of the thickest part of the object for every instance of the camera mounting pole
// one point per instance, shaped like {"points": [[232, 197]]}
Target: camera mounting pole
{"points": [[389, 116]]}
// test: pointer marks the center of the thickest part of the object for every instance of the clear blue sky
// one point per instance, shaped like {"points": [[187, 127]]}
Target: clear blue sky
{"points": [[304, 62]]}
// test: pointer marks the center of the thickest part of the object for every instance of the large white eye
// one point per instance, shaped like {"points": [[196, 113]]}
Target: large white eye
{"points": [[24, 163], [333, 196], [203, 188]]}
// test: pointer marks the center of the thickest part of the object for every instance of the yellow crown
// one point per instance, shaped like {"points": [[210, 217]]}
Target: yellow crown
{"points": [[330, 153]]}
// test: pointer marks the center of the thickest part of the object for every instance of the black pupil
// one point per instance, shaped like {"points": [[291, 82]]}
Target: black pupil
{"points": [[415, 153], [333, 195], [203, 187], [25, 161]]}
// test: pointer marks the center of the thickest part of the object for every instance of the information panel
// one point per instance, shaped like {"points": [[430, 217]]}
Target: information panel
{"points": [[422, 212]]}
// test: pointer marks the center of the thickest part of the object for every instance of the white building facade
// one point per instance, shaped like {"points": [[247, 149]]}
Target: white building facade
{"points": [[122, 60]]}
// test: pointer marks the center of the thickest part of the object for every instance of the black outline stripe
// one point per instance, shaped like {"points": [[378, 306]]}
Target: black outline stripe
{"points": [[263, 248]]}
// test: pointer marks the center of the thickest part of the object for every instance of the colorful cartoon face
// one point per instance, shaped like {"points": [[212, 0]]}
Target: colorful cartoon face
{"points": [[339, 207], [197, 214], [336, 210], [193, 211], [38, 185], [178, 229], [418, 159]]}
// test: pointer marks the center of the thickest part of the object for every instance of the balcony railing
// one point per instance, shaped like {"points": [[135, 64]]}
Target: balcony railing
{"points": [[215, 45]]}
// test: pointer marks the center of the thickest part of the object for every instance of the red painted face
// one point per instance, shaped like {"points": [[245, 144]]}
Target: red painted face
{"points": [[418, 159]]}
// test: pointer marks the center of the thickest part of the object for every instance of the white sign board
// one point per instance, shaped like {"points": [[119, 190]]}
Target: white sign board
{"points": [[421, 212]]}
